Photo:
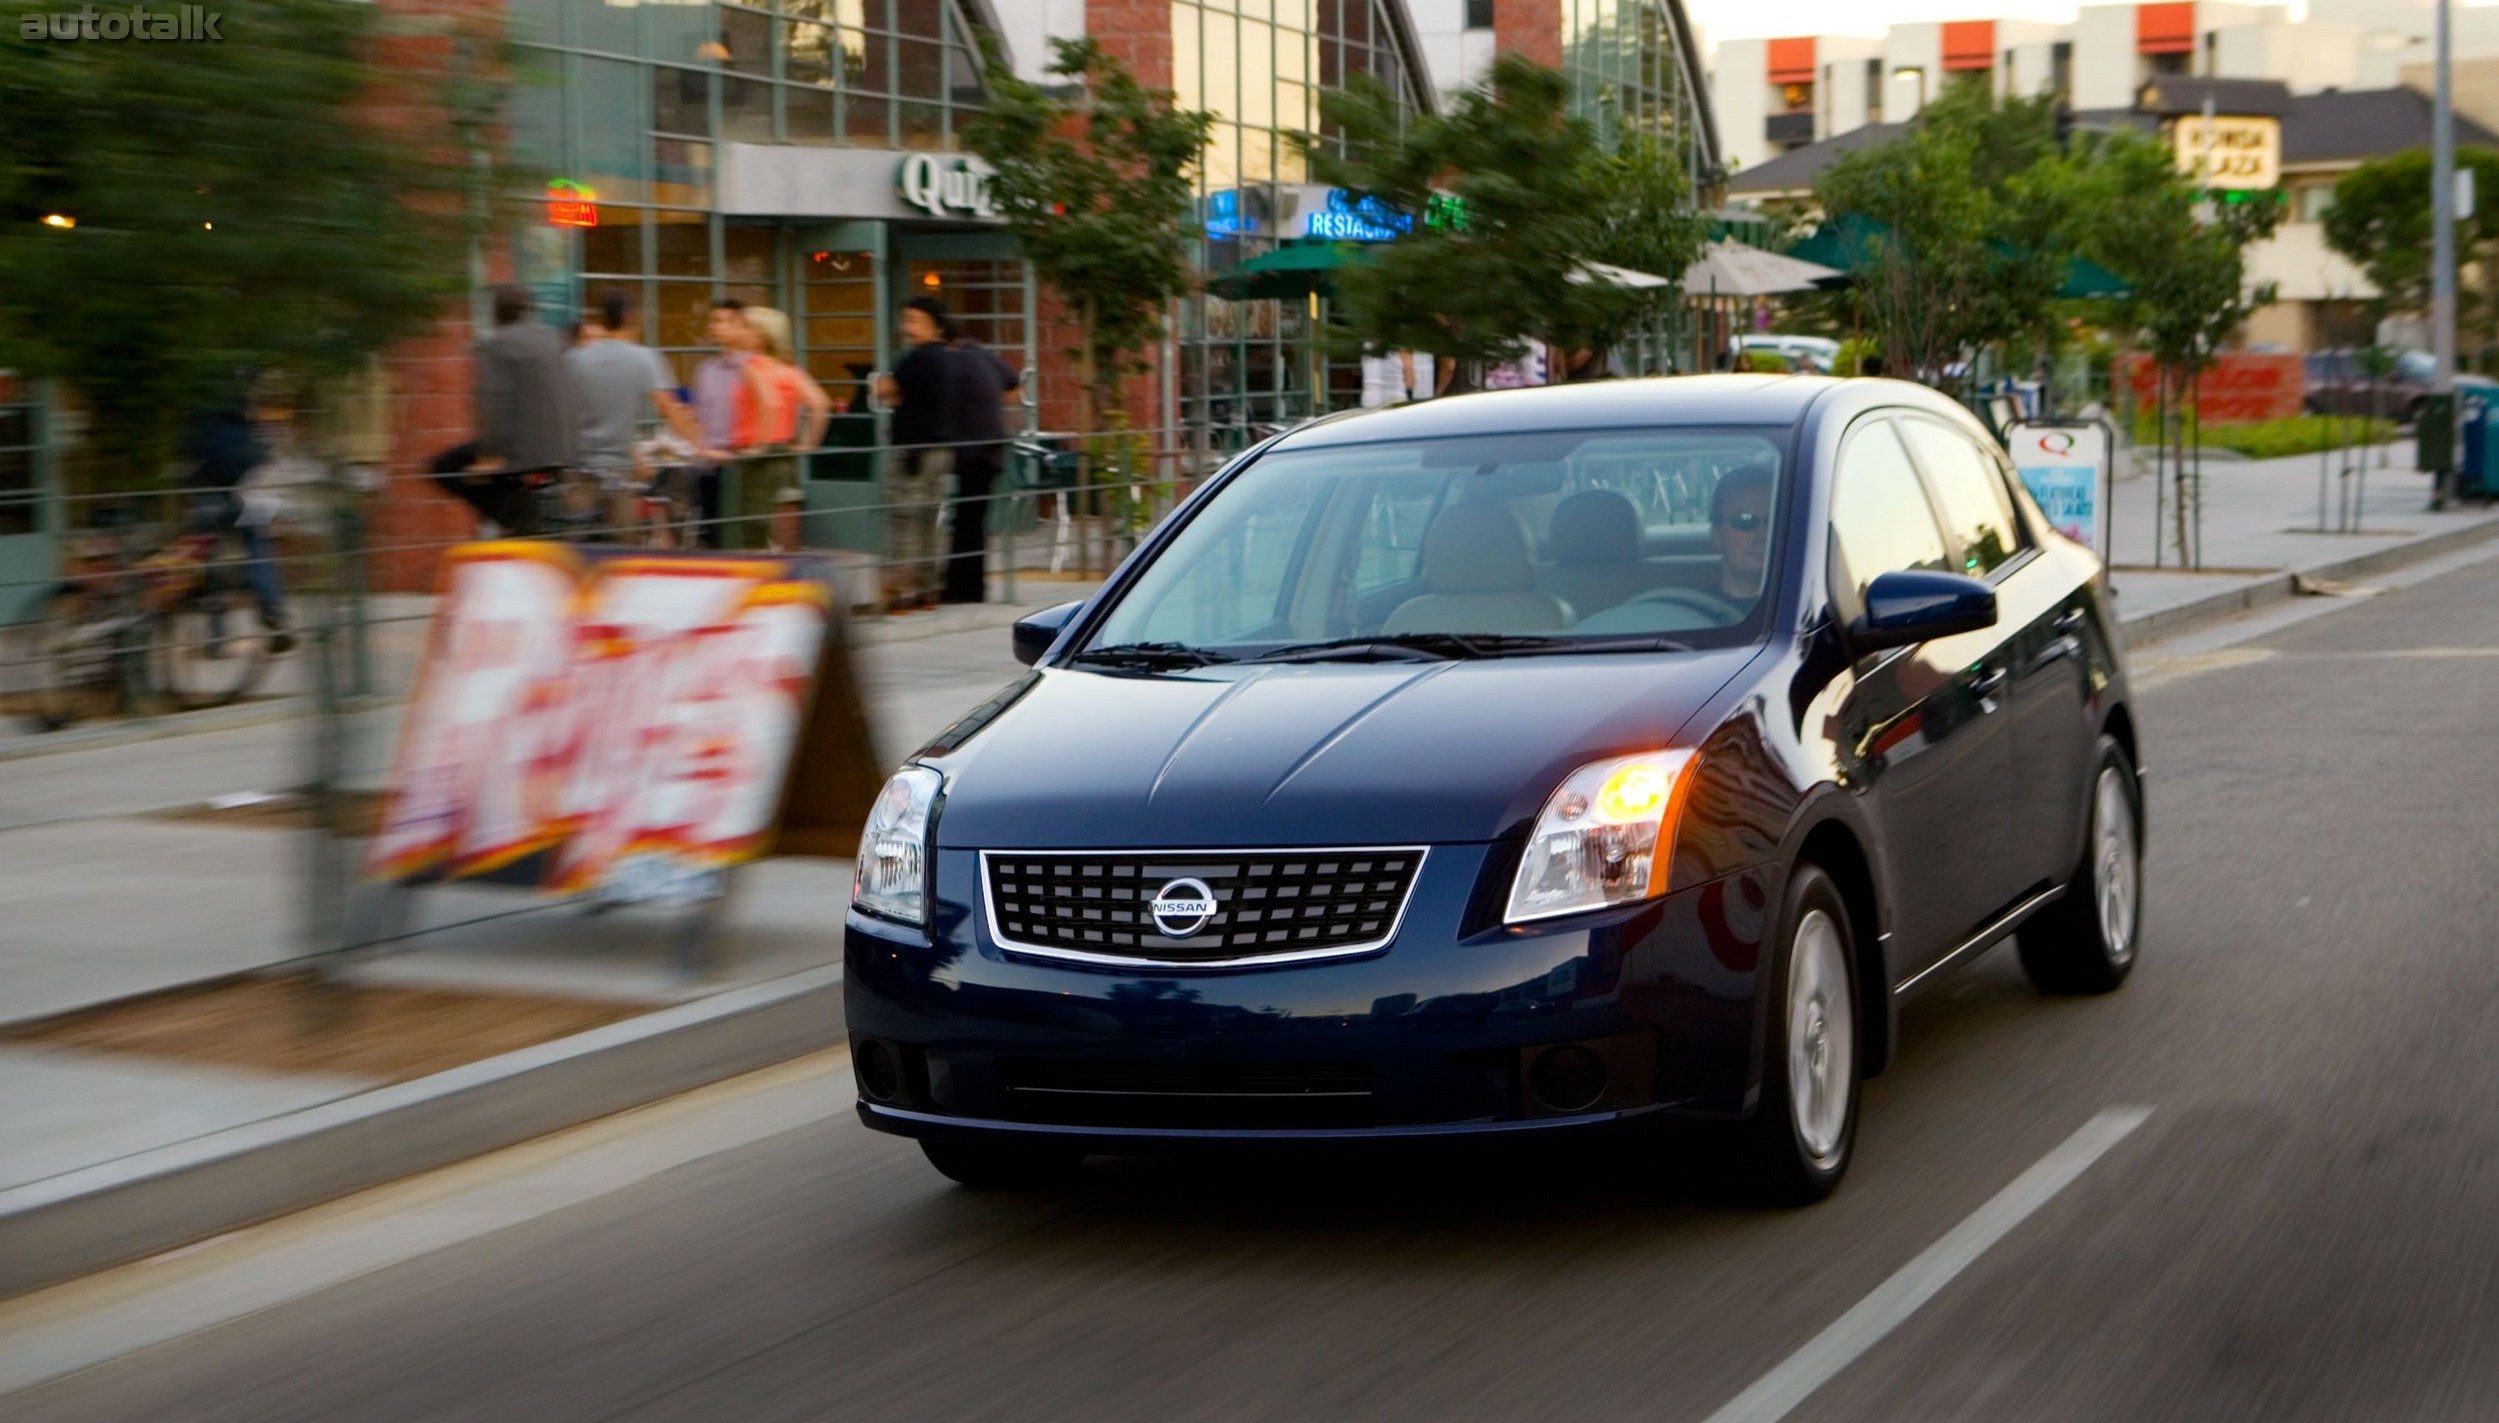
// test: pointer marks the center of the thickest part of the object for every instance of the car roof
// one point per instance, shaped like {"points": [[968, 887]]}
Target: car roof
{"points": [[1655, 400], [1650, 401]]}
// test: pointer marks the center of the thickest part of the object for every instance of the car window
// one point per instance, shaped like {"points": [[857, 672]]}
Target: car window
{"points": [[1978, 510], [1880, 520], [1555, 534]]}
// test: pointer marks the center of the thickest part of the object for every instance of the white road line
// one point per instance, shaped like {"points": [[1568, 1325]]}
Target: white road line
{"points": [[1775, 1393], [88, 1322]]}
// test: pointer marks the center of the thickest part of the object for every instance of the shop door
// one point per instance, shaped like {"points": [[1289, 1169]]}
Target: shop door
{"points": [[26, 550]]}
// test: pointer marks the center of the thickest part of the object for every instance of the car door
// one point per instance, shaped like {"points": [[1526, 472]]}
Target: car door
{"points": [[2041, 608], [1919, 727]]}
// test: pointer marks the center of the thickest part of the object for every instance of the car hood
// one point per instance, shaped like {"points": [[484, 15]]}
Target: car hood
{"points": [[1303, 753]]}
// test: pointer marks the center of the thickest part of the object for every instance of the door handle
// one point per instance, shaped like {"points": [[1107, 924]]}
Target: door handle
{"points": [[1989, 683], [2069, 620]]}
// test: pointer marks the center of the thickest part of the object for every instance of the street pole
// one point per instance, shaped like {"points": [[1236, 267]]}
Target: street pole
{"points": [[2443, 233]]}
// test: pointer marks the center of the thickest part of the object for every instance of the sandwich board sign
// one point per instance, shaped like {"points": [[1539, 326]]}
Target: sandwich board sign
{"points": [[2065, 465]]}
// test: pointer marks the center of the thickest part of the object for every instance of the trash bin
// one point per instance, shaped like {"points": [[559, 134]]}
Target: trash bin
{"points": [[2436, 446], [2478, 471]]}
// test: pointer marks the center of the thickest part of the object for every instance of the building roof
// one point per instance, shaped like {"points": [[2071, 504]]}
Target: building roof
{"points": [[2356, 124], [2343, 127], [2171, 95]]}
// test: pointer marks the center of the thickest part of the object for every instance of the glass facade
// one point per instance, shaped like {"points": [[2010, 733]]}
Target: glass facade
{"points": [[1630, 75], [1260, 66], [631, 100]]}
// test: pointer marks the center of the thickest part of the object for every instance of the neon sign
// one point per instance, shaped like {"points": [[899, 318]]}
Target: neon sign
{"points": [[1348, 218], [571, 204]]}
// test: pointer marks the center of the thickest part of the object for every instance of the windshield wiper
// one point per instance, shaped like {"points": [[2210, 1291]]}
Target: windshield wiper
{"points": [[1150, 656], [1446, 646], [1404, 647]]}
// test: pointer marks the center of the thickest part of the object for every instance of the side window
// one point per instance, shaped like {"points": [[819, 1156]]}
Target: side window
{"points": [[1880, 520], [1978, 512]]}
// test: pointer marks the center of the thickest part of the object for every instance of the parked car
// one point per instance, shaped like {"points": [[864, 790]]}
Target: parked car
{"points": [[1805, 355], [1583, 759], [2339, 384]]}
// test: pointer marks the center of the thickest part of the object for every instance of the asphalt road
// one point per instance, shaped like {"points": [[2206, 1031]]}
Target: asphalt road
{"points": [[2306, 1226]]}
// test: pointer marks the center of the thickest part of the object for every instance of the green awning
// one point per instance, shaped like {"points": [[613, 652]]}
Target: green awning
{"points": [[1296, 269], [1846, 242]]}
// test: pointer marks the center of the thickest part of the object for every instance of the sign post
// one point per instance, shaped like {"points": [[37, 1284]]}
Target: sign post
{"points": [[2066, 466]]}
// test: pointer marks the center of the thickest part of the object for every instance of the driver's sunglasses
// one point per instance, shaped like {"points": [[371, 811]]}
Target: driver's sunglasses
{"points": [[1745, 521]]}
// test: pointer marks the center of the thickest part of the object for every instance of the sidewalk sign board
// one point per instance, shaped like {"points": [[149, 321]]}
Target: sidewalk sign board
{"points": [[623, 724], [2066, 466]]}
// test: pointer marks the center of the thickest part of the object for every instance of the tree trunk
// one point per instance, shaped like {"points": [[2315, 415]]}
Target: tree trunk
{"points": [[1087, 417], [2178, 462]]}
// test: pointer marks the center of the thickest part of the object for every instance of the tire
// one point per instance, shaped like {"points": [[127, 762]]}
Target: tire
{"points": [[1797, 1146], [985, 1167], [2086, 941], [77, 664], [211, 648]]}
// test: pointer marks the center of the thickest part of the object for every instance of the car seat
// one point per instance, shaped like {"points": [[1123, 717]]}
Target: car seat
{"points": [[1595, 544], [1479, 577]]}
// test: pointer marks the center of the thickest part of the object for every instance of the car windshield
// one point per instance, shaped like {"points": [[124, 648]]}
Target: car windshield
{"points": [[1484, 546]]}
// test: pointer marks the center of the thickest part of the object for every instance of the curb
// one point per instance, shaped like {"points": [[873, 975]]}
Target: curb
{"points": [[2282, 586], [99, 1216]]}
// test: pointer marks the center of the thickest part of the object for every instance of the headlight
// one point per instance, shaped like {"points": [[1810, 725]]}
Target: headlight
{"points": [[1604, 837], [892, 879]]}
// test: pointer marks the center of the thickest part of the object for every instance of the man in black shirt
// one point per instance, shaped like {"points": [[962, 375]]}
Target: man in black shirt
{"points": [[923, 454], [981, 384]]}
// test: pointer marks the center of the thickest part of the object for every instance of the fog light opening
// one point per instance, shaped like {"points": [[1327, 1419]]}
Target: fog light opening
{"points": [[1567, 1079], [879, 1069]]}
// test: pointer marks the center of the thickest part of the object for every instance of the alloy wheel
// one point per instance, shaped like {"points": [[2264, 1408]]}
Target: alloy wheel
{"points": [[1821, 1037], [2115, 870]]}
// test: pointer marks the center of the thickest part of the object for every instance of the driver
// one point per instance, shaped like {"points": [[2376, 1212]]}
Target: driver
{"points": [[1739, 530]]}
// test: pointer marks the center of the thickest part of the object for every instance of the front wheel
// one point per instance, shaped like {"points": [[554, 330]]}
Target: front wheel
{"points": [[1796, 1147], [77, 657], [211, 648], [1001, 1167], [2085, 941]]}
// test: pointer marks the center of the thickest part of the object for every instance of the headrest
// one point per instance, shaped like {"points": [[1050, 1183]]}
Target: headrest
{"points": [[1595, 526], [1477, 547]]}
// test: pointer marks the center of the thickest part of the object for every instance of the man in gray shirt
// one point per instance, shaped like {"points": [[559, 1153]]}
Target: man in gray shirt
{"points": [[618, 384], [524, 417]]}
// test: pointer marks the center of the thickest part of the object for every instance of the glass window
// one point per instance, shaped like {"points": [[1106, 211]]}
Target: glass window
{"points": [[745, 111], [1270, 558], [1978, 511], [611, 25], [685, 247], [615, 245], [1880, 520], [681, 172], [610, 134], [681, 101]]}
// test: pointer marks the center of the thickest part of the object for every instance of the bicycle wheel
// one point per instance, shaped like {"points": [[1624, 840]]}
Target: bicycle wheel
{"points": [[210, 647], [75, 666]]}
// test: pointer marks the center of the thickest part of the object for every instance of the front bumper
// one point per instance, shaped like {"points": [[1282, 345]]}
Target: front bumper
{"points": [[1435, 1037]]}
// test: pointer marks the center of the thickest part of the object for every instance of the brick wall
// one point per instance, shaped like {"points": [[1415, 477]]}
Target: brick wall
{"points": [[1529, 27]]}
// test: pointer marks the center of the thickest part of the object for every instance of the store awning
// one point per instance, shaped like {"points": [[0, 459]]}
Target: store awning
{"points": [[1296, 269], [1845, 242]]}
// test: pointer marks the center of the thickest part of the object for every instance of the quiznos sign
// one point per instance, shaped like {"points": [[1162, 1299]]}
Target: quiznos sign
{"points": [[954, 188]]}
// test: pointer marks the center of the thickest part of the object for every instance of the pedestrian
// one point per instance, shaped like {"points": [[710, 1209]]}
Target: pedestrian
{"points": [[225, 446], [785, 412], [1391, 377], [524, 415], [922, 457], [720, 384], [619, 385], [981, 384]]}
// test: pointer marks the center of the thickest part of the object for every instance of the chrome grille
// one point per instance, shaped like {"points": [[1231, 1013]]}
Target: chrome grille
{"points": [[1270, 905]]}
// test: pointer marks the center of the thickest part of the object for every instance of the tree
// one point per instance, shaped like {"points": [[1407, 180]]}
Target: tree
{"points": [[1644, 220], [2380, 219], [1093, 179], [272, 202], [1959, 247], [2182, 250], [1495, 197]]}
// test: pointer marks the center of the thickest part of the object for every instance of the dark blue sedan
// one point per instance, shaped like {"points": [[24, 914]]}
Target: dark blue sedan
{"points": [[1579, 759]]}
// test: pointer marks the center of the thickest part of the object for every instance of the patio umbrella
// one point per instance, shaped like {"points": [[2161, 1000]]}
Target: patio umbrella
{"points": [[1296, 269], [1734, 269], [1612, 275]]}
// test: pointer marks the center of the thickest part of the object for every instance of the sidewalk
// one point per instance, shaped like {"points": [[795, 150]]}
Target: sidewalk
{"points": [[2260, 521], [113, 884]]}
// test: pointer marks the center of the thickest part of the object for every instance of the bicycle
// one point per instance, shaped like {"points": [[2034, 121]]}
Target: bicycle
{"points": [[122, 631]]}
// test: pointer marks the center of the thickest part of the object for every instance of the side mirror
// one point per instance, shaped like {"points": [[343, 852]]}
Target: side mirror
{"points": [[1916, 606], [1034, 635]]}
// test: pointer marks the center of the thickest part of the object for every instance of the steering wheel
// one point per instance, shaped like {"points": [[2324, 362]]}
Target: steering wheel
{"points": [[1710, 605]]}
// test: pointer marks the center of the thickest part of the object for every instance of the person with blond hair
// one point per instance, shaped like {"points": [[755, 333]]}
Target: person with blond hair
{"points": [[782, 413]]}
